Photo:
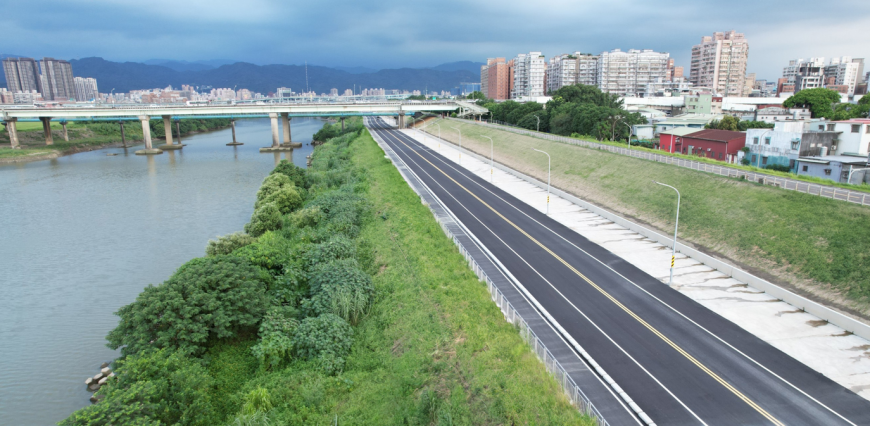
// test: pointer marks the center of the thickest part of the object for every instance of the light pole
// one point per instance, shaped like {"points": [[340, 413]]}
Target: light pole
{"points": [[439, 136], [676, 224], [539, 123], [849, 180], [491, 161], [629, 134], [548, 180], [460, 144], [112, 95]]}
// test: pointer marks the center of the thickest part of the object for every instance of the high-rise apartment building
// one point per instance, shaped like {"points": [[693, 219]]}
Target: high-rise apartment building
{"points": [[22, 75], [587, 69], [719, 63], [561, 71], [86, 89], [628, 73], [530, 70], [805, 73], [845, 71], [495, 79], [57, 80]]}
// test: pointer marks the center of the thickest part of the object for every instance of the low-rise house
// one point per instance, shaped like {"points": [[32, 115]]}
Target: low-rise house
{"points": [[722, 145], [854, 137], [672, 140], [837, 168], [696, 121], [787, 141], [774, 114]]}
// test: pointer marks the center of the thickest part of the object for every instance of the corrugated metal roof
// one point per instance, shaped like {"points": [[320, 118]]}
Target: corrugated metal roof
{"points": [[717, 135], [681, 131]]}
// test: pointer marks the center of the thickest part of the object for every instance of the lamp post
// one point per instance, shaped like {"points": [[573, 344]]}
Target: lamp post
{"points": [[491, 161], [112, 95], [676, 224], [460, 144], [539, 123], [849, 180], [548, 180], [629, 134], [439, 135]]}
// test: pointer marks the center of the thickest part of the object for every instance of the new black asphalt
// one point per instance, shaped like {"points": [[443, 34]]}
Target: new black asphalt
{"points": [[680, 362]]}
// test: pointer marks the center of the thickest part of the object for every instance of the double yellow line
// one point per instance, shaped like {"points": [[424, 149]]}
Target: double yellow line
{"points": [[676, 347]]}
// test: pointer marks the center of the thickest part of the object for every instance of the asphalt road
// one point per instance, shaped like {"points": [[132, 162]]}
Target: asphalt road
{"points": [[680, 362]]}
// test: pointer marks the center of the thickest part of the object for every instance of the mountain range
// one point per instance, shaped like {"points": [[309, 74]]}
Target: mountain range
{"points": [[158, 73]]}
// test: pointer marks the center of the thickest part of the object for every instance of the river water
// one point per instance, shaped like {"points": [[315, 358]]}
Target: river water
{"points": [[82, 235]]}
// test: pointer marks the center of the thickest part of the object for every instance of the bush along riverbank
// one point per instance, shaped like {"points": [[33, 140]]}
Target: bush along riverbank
{"points": [[342, 303], [88, 136]]}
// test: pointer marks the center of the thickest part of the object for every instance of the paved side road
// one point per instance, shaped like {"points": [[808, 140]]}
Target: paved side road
{"points": [[681, 363], [857, 197]]}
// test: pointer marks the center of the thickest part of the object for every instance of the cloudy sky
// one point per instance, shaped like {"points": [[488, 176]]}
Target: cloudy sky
{"points": [[388, 34]]}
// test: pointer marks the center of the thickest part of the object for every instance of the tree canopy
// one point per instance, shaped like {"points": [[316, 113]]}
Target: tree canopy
{"points": [[819, 101]]}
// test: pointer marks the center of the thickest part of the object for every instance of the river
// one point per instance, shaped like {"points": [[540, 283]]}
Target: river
{"points": [[82, 235]]}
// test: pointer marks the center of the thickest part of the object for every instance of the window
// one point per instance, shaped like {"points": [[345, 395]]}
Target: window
{"points": [[867, 129], [821, 127], [805, 168], [830, 127], [720, 155], [795, 143], [755, 159], [764, 160], [827, 172], [767, 140], [856, 128], [755, 141], [790, 164]]}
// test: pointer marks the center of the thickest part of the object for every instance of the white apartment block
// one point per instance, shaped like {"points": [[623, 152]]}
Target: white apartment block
{"points": [[629, 73], [529, 72], [846, 72], [805, 73], [587, 69], [561, 71], [86, 89], [719, 63]]}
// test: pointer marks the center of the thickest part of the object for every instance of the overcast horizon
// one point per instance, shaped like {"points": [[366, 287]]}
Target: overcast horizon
{"points": [[396, 35]]}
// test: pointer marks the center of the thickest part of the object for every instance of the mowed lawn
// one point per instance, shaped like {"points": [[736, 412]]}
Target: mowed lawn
{"points": [[818, 245]]}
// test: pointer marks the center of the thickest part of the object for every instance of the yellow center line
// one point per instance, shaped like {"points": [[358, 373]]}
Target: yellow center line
{"points": [[676, 347]]}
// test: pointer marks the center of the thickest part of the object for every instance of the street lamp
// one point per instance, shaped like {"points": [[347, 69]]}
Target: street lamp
{"points": [[548, 180], [676, 224], [491, 162], [759, 146], [849, 180], [629, 134], [539, 123], [460, 144], [112, 95]]}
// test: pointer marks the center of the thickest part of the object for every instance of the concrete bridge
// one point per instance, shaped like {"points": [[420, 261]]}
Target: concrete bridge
{"points": [[285, 112]]}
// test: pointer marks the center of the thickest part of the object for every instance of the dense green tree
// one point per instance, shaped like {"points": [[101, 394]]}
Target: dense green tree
{"points": [[286, 199], [819, 101], [227, 243], [266, 218], [276, 337], [583, 94], [728, 122], [292, 171], [272, 184], [159, 388], [744, 125], [340, 287], [207, 298]]}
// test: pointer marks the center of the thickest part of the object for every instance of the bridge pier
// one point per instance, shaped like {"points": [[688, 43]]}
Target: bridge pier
{"points": [[46, 128], [12, 130], [233, 125], [288, 138], [167, 133], [65, 134], [276, 145], [178, 130], [146, 135], [400, 120], [123, 137]]}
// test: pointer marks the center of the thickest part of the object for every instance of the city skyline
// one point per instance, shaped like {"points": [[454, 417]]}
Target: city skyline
{"points": [[196, 31]]}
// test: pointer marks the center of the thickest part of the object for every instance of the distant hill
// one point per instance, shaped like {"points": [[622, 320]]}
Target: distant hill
{"points": [[472, 67], [356, 70], [126, 76]]}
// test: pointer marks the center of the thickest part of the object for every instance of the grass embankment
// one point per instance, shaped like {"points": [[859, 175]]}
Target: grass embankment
{"points": [[809, 179], [350, 306], [818, 245], [85, 136]]}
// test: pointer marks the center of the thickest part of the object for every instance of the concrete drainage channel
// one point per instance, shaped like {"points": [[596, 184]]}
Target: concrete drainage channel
{"points": [[563, 357]]}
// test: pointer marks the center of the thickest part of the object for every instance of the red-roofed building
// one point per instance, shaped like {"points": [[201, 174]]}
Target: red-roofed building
{"points": [[722, 145]]}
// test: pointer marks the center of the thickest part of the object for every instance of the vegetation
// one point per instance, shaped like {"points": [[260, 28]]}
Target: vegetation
{"points": [[825, 103], [729, 122], [815, 243], [580, 109], [333, 130], [356, 309]]}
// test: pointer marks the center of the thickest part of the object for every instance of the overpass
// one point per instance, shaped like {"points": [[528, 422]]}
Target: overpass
{"points": [[143, 113]]}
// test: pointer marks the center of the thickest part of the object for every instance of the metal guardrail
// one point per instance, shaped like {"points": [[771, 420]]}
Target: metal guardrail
{"points": [[857, 197], [575, 395]]}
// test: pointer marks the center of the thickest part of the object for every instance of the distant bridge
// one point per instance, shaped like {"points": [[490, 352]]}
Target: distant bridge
{"points": [[143, 113]]}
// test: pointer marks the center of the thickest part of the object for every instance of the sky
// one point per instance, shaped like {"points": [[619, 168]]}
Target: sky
{"points": [[394, 34]]}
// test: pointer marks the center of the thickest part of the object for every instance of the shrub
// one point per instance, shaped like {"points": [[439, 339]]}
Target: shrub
{"points": [[266, 218], [270, 251], [272, 184], [292, 171], [276, 337], [340, 287], [228, 243], [338, 247], [326, 339], [159, 388], [310, 216], [207, 298], [778, 168], [286, 199]]}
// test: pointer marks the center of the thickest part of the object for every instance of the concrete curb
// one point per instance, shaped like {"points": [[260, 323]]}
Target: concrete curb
{"points": [[843, 321]]}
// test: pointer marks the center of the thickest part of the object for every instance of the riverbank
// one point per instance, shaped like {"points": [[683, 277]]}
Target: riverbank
{"points": [[811, 245], [348, 305], [88, 136]]}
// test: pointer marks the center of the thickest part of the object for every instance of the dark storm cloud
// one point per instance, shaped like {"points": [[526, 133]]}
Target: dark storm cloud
{"points": [[395, 34]]}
